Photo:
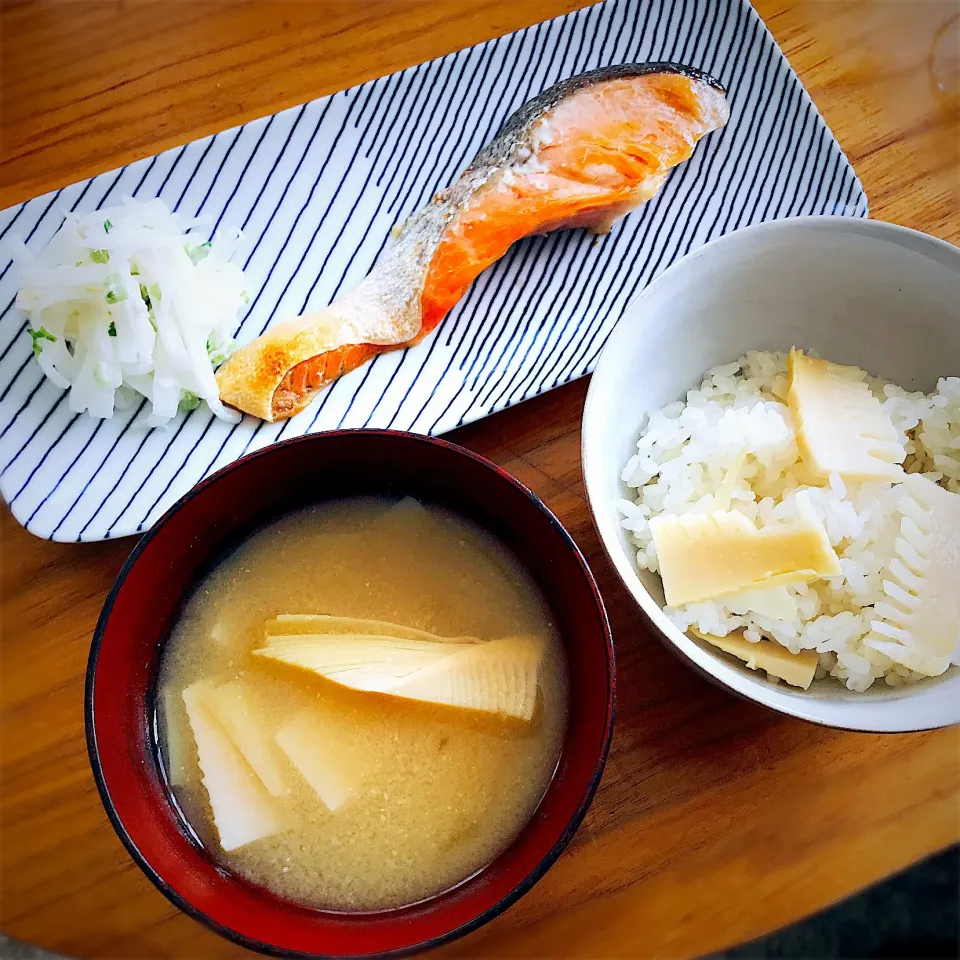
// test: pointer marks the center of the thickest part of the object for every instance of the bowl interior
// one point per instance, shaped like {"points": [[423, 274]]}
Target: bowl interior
{"points": [[143, 607], [858, 292]]}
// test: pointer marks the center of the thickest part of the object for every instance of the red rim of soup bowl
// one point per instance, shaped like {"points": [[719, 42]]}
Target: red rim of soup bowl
{"points": [[214, 517]]}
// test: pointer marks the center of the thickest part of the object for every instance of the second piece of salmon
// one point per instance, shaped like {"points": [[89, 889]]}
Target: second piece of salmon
{"points": [[581, 154]]}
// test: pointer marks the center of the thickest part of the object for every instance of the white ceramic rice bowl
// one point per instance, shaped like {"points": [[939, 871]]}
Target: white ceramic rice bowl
{"points": [[881, 297]]}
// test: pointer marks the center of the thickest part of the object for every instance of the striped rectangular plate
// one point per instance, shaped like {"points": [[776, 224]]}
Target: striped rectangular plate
{"points": [[316, 190]]}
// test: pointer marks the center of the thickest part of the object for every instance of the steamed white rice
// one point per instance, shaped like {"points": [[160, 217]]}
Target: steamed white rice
{"points": [[687, 448]]}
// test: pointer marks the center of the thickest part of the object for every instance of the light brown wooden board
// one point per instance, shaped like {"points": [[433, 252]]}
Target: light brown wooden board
{"points": [[716, 820]]}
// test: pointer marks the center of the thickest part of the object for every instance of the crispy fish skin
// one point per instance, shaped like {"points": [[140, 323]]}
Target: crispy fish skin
{"points": [[583, 153]]}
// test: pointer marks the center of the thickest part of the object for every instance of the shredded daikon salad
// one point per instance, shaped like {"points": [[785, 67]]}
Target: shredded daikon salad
{"points": [[125, 302]]}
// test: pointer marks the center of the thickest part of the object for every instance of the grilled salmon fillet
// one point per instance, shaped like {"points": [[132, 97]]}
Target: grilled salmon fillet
{"points": [[583, 153]]}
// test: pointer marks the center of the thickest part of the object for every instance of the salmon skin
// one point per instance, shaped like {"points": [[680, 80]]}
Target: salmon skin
{"points": [[583, 153]]}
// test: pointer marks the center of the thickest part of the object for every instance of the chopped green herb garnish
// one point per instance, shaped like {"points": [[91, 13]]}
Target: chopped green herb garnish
{"points": [[196, 254], [107, 225], [155, 294], [112, 329], [116, 293], [189, 401], [100, 256], [38, 336], [245, 296], [145, 296], [219, 351]]}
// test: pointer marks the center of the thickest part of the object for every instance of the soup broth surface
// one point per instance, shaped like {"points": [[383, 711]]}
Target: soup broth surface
{"points": [[440, 790]]}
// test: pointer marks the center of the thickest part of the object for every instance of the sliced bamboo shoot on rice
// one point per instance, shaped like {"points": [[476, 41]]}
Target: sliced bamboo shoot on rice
{"points": [[917, 624], [797, 669], [242, 809], [703, 556], [840, 425]]}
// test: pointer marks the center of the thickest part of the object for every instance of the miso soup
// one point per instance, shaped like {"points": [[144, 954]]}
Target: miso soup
{"points": [[363, 704]]}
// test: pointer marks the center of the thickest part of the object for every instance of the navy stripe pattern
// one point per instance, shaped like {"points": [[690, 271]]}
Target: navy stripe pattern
{"points": [[317, 190]]}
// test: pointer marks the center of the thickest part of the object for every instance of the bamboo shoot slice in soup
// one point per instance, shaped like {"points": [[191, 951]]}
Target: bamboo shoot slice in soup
{"points": [[324, 761], [499, 676], [303, 624], [239, 805], [370, 698], [496, 676], [233, 706], [360, 662]]}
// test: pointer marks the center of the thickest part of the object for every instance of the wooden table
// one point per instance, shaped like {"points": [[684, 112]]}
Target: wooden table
{"points": [[716, 821]]}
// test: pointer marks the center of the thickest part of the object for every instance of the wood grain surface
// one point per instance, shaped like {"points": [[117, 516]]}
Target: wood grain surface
{"points": [[716, 821]]}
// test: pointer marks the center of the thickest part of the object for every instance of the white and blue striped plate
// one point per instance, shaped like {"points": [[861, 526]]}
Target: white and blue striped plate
{"points": [[316, 190]]}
